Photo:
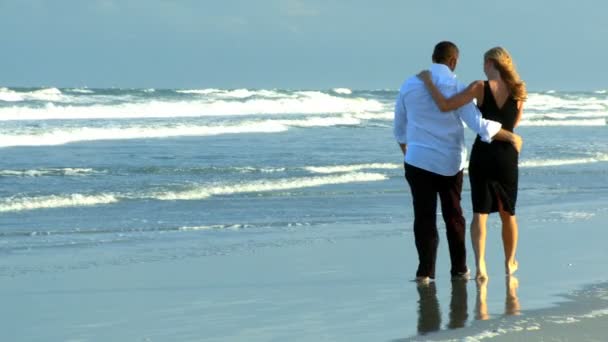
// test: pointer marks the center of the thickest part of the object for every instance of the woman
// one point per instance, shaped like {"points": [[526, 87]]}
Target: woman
{"points": [[493, 171]]}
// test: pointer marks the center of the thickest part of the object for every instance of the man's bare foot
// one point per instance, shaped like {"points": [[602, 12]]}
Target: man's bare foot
{"points": [[511, 267], [423, 280], [481, 271], [466, 275]]}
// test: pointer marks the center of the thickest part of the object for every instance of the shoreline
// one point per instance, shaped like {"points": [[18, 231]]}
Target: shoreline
{"points": [[581, 315]]}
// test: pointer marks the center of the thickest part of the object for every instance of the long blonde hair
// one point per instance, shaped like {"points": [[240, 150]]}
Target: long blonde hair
{"points": [[505, 66]]}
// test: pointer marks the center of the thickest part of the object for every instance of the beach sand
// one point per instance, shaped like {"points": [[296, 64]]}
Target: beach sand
{"points": [[351, 286]]}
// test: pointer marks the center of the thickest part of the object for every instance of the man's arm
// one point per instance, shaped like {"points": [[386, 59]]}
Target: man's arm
{"points": [[400, 124], [487, 129], [459, 99]]}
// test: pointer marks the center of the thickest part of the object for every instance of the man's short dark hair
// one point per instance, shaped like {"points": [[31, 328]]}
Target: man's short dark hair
{"points": [[444, 51]]}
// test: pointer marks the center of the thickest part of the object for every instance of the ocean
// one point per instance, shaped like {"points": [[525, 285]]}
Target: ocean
{"points": [[94, 178]]}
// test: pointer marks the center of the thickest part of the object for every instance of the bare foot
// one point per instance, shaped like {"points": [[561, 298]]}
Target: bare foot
{"points": [[481, 307], [482, 285], [512, 306], [481, 271], [423, 280], [512, 285], [511, 267]]}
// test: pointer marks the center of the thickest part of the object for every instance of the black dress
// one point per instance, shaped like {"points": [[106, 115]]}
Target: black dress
{"points": [[493, 171]]}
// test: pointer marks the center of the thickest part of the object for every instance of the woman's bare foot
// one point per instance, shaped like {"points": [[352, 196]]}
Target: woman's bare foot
{"points": [[512, 306], [511, 267], [481, 307], [482, 273]]}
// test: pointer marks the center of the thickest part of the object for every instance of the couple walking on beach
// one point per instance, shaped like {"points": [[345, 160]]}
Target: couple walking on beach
{"points": [[428, 125]]}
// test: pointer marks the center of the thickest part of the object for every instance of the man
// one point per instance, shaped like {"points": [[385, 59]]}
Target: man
{"points": [[435, 155]]}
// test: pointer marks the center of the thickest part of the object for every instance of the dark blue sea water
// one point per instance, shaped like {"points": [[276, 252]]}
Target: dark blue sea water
{"points": [[218, 170]]}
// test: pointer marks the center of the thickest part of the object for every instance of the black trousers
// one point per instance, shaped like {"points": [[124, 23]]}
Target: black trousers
{"points": [[425, 186]]}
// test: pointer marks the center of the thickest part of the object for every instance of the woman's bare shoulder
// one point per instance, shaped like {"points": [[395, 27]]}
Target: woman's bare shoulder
{"points": [[477, 84], [476, 88]]}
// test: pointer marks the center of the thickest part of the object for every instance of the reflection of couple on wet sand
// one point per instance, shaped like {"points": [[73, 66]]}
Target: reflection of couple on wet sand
{"points": [[429, 115], [512, 307], [429, 312]]}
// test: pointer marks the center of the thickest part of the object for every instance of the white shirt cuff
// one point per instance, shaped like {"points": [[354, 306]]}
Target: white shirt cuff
{"points": [[491, 129]]}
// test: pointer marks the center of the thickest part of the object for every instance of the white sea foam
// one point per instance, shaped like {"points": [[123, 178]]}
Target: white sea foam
{"points": [[352, 168], [199, 91], [212, 227], [574, 215], [49, 172], [578, 118], [197, 228], [577, 318], [9, 95], [309, 102], [560, 162], [64, 136], [344, 120], [203, 191], [273, 169], [504, 330], [82, 91], [219, 102], [549, 101], [194, 193], [55, 201], [548, 123], [566, 116], [212, 93], [61, 136], [335, 174], [48, 94], [344, 91], [238, 94], [247, 169], [530, 163], [596, 313], [375, 116]]}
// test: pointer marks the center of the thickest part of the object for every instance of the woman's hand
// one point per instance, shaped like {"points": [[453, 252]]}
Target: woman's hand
{"points": [[425, 76]]}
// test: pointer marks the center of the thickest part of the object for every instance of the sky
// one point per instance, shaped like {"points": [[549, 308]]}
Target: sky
{"points": [[294, 44]]}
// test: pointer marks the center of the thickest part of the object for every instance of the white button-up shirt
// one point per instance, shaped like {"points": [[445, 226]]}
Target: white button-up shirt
{"points": [[435, 140]]}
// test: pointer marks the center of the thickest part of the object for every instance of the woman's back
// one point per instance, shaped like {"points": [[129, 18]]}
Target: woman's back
{"points": [[505, 112], [493, 167]]}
